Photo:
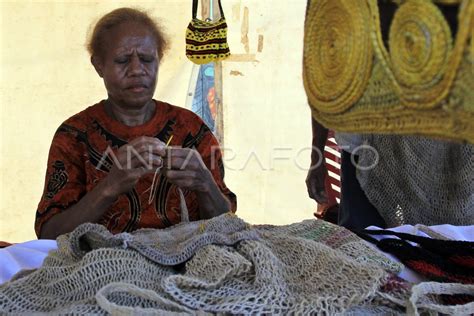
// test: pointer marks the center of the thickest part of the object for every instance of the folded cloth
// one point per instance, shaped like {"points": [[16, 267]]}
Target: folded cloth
{"points": [[26, 255], [446, 232]]}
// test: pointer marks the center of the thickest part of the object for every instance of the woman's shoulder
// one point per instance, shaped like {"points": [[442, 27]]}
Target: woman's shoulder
{"points": [[82, 121], [85, 118], [180, 115], [187, 123], [176, 110]]}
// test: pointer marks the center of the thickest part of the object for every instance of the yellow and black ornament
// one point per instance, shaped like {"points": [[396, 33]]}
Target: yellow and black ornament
{"points": [[206, 41]]}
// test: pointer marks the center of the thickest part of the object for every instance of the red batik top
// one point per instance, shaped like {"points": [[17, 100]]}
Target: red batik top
{"points": [[80, 157]]}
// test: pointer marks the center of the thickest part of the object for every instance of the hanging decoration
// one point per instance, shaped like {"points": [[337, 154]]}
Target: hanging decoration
{"points": [[206, 41]]}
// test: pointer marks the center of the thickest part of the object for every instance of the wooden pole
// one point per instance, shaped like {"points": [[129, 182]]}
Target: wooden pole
{"points": [[218, 85], [219, 122]]}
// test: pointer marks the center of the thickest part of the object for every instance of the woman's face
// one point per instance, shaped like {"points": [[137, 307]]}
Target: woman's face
{"points": [[129, 65]]}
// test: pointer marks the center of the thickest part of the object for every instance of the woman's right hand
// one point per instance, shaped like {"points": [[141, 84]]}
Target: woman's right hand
{"points": [[132, 161]]}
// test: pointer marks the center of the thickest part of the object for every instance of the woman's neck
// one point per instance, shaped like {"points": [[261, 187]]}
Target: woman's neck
{"points": [[130, 117]]}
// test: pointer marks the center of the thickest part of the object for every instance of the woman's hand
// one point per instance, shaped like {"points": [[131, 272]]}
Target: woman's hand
{"points": [[184, 167], [132, 161]]}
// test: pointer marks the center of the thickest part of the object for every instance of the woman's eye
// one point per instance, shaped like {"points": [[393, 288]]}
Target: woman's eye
{"points": [[121, 60], [147, 59]]}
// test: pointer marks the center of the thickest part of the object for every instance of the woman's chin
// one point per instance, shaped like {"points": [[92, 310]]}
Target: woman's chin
{"points": [[137, 102]]}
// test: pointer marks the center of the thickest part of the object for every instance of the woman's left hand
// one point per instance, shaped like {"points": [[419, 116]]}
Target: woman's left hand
{"points": [[184, 167]]}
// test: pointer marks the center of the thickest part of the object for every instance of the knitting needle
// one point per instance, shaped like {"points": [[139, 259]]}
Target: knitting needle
{"points": [[169, 140], [152, 189]]}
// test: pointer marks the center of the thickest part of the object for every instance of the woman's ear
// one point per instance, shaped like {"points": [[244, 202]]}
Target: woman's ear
{"points": [[97, 65]]}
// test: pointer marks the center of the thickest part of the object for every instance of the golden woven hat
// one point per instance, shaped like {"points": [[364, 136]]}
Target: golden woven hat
{"points": [[422, 83]]}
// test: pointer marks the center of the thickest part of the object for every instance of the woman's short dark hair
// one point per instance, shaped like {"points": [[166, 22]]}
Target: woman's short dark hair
{"points": [[119, 16]]}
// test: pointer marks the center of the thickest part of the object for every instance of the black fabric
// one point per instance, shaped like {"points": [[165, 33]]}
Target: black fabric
{"points": [[438, 260], [355, 212], [387, 9], [195, 5], [443, 247], [386, 12]]}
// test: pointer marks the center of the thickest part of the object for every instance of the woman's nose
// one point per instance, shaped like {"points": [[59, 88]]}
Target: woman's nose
{"points": [[135, 66]]}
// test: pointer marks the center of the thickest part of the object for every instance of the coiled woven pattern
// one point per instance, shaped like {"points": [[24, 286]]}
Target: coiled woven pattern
{"points": [[421, 83], [337, 69], [420, 46]]}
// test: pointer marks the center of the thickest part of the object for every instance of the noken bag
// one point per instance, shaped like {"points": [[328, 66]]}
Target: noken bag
{"points": [[206, 41]]}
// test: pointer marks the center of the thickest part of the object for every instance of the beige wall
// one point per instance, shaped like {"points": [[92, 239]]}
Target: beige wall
{"points": [[46, 77], [266, 111]]}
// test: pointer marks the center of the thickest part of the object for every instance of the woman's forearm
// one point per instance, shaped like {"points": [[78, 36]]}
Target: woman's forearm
{"points": [[89, 209]]}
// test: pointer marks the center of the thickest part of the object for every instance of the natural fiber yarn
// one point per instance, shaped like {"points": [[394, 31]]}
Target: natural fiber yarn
{"points": [[230, 267], [221, 265], [206, 41], [420, 47], [437, 186], [427, 289], [337, 69], [421, 84], [337, 238]]}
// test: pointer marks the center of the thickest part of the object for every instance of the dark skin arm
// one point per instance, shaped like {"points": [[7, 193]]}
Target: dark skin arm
{"points": [[318, 172], [184, 167], [121, 179]]}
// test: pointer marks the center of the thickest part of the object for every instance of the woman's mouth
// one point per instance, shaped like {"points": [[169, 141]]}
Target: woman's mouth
{"points": [[137, 88]]}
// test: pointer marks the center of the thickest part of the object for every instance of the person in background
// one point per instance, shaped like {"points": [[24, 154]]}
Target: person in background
{"points": [[416, 181], [355, 209]]}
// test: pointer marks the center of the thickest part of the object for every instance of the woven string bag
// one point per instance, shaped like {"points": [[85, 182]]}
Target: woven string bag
{"points": [[422, 83], [206, 41], [414, 179], [230, 267]]}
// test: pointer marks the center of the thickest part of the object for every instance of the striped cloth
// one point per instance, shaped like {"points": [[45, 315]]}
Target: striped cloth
{"points": [[332, 156]]}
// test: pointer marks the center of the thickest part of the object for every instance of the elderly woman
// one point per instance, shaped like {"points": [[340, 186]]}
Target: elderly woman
{"points": [[102, 160]]}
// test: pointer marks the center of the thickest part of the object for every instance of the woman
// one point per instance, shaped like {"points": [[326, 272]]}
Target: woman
{"points": [[102, 160]]}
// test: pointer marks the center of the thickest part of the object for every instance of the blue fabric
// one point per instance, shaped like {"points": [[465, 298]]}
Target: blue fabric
{"points": [[200, 104]]}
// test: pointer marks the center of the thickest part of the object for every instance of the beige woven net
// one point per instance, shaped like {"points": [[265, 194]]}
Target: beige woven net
{"points": [[221, 266], [230, 268], [416, 180]]}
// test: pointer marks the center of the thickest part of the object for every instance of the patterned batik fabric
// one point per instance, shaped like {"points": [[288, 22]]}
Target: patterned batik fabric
{"points": [[82, 153]]}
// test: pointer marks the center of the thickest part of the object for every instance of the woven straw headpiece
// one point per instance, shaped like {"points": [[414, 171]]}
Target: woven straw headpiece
{"points": [[422, 83]]}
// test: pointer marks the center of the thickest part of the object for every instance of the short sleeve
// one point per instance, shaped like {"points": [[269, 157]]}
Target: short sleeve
{"points": [[211, 155], [65, 181]]}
